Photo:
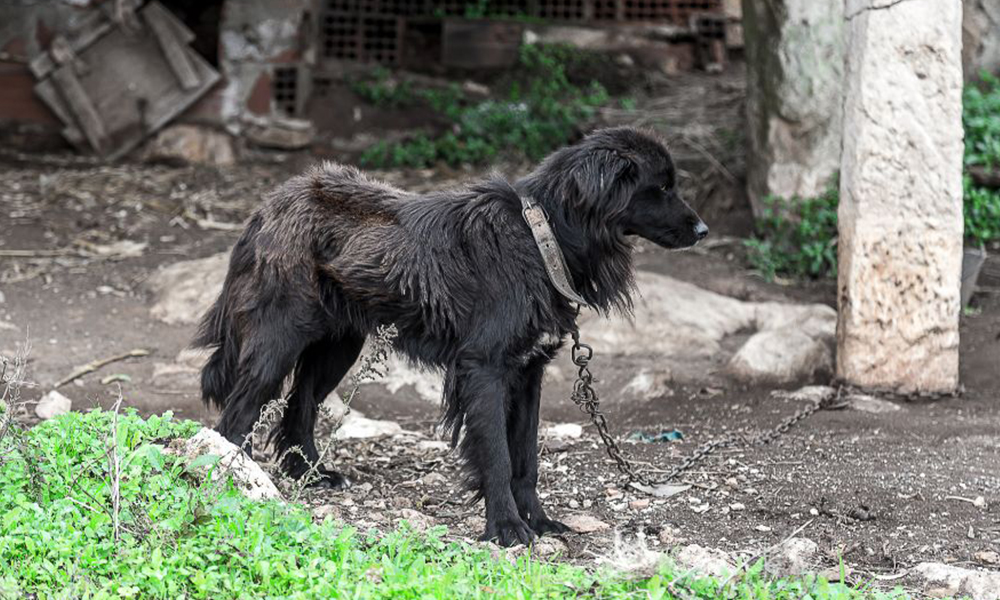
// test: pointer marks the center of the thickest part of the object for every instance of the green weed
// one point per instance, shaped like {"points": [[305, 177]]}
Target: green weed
{"points": [[541, 111], [180, 541]]}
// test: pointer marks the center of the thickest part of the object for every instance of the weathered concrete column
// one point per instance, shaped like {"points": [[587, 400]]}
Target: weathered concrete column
{"points": [[900, 247], [795, 72]]}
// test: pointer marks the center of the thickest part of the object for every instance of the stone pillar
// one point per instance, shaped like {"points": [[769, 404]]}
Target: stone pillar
{"points": [[981, 38], [900, 245], [795, 66]]}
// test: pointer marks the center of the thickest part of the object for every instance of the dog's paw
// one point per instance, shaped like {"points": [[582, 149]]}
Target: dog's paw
{"points": [[330, 480], [508, 532], [548, 526]]}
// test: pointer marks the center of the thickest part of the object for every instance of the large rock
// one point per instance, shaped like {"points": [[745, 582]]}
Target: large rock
{"points": [[190, 144], [981, 38], [900, 246], [185, 290], [247, 475], [947, 581], [795, 67], [679, 321]]}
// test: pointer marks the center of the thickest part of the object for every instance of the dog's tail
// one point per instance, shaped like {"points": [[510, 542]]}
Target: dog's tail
{"points": [[218, 329]]}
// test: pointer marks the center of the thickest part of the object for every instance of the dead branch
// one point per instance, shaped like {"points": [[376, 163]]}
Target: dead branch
{"points": [[97, 364]]}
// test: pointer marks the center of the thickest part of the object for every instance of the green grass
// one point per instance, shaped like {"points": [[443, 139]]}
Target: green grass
{"points": [[184, 538]]}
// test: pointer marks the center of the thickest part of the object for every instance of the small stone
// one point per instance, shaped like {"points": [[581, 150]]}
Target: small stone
{"points": [[574, 503], [435, 445], [416, 519], [988, 557], [433, 479], [564, 431], [707, 561], [792, 558], [548, 547], [833, 574], [639, 504], [583, 523], [326, 510], [355, 427], [871, 404], [52, 405], [762, 528], [979, 502], [737, 506], [941, 581], [814, 512]]}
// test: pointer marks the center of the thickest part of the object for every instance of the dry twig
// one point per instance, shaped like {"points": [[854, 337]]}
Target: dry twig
{"points": [[97, 364]]}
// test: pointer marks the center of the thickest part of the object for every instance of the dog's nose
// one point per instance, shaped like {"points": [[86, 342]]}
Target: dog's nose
{"points": [[701, 230]]}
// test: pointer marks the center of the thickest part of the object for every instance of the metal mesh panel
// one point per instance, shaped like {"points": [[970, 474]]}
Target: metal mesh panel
{"points": [[339, 36], [569, 10], [380, 39], [284, 88]]}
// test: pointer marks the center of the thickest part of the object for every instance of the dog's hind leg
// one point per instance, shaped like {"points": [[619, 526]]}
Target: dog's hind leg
{"points": [[320, 368], [522, 441], [483, 394], [267, 357]]}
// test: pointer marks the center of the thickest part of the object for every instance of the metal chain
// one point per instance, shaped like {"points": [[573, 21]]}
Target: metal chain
{"points": [[585, 397]]}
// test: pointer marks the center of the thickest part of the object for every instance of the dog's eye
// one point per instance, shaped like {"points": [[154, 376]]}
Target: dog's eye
{"points": [[665, 188]]}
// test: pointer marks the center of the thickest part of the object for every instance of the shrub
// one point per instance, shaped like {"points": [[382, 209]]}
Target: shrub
{"points": [[541, 111], [797, 237], [981, 119]]}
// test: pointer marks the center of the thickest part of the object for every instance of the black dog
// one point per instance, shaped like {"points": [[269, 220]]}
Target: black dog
{"points": [[331, 255]]}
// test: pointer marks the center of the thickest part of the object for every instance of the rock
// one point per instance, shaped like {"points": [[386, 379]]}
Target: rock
{"points": [[583, 523], [278, 132], [681, 323], [326, 510], [795, 53], [781, 357], [809, 393], [247, 475], [399, 373], [871, 404], [648, 385], [418, 520], [190, 145], [564, 431], [988, 557], [793, 558], [901, 224], [52, 405], [434, 445], [707, 561], [941, 581], [358, 427], [184, 291], [980, 38], [548, 547]]}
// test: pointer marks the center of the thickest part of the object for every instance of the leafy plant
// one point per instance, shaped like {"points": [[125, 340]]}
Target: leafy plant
{"points": [[797, 237], [981, 119], [541, 111], [180, 542]]}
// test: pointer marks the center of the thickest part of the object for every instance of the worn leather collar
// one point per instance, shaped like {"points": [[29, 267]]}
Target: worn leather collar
{"points": [[552, 256]]}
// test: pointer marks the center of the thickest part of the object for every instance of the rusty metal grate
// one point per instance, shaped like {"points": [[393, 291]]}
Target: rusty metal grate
{"points": [[285, 89]]}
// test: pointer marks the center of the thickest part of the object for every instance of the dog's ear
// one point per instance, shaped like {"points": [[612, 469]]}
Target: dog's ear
{"points": [[605, 180]]}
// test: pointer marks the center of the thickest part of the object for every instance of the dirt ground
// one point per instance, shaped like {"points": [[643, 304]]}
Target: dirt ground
{"points": [[880, 491]]}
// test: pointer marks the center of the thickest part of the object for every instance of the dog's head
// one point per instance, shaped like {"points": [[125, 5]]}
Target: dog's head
{"points": [[626, 179]]}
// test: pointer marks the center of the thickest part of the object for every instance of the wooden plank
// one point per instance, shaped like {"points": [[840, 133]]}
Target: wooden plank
{"points": [[174, 50], [81, 106]]}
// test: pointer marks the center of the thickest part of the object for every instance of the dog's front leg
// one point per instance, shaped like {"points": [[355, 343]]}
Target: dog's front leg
{"points": [[522, 440], [484, 449]]}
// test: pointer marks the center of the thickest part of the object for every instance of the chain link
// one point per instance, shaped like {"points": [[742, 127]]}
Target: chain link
{"points": [[585, 397]]}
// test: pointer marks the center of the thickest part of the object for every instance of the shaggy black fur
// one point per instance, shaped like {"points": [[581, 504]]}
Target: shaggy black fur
{"points": [[333, 254]]}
